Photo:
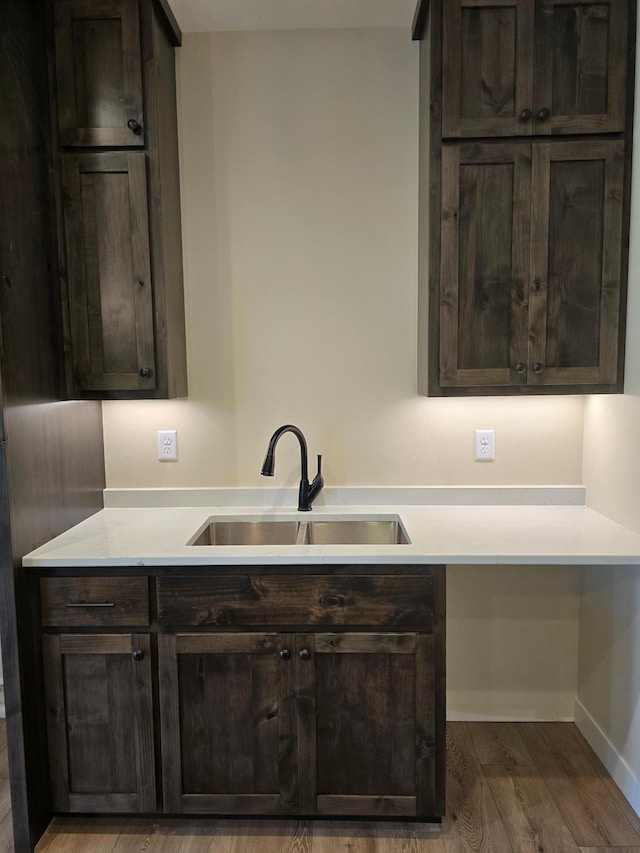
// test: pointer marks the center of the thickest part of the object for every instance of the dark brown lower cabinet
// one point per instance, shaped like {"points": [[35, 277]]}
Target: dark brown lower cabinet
{"points": [[279, 694], [227, 718], [100, 722], [366, 724], [313, 723]]}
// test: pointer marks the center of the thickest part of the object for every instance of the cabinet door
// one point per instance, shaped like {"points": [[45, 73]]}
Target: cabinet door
{"points": [[574, 335], [488, 49], [100, 722], [485, 225], [517, 67], [228, 731], [98, 73], [367, 724], [109, 273], [581, 61]]}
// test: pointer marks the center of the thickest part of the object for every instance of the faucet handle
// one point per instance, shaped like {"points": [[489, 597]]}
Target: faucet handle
{"points": [[318, 480]]}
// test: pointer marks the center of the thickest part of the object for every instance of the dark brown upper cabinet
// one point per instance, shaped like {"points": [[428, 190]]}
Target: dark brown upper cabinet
{"points": [[109, 271], [526, 117], [120, 237], [99, 74], [533, 67], [530, 276]]}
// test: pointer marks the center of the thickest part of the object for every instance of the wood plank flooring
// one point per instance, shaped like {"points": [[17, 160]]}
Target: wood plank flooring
{"points": [[511, 788]]}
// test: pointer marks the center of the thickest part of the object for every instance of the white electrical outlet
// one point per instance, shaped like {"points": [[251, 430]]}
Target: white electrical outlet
{"points": [[167, 445], [485, 445]]}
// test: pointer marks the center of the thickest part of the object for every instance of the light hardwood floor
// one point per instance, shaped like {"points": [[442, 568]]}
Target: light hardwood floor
{"points": [[511, 788]]}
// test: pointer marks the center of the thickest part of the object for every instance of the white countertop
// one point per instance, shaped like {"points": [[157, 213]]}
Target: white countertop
{"points": [[493, 525]]}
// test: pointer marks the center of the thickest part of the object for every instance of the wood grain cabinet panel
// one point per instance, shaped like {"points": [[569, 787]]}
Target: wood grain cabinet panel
{"points": [[249, 600], [533, 67], [301, 717], [283, 723], [531, 274], [307, 721], [523, 278], [89, 602], [109, 271], [486, 212], [227, 712], [100, 722], [367, 724], [120, 235], [98, 73]]}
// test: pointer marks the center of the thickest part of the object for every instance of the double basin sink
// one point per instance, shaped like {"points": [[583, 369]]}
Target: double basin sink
{"points": [[343, 531]]}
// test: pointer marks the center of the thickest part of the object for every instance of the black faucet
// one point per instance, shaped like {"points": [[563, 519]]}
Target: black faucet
{"points": [[307, 493]]}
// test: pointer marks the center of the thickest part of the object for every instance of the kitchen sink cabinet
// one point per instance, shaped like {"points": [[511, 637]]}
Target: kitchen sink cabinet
{"points": [[286, 723], [530, 274], [119, 212], [530, 67], [278, 694], [338, 712]]}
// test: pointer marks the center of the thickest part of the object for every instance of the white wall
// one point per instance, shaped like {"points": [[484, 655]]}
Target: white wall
{"points": [[609, 655], [512, 642], [299, 167]]}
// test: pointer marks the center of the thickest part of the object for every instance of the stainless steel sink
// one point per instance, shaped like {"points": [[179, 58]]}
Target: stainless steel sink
{"points": [[356, 532], [248, 533], [336, 531]]}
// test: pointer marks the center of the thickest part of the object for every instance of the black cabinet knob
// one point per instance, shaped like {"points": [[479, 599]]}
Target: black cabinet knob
{"points": [[137, 654], [134, 126], [525, 114], [543, 114], [538, 367], [520, 367], [304, 654], [285, 654], [145, 372]]}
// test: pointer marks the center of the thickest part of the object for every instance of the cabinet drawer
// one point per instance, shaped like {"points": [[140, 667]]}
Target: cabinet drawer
{"points": [[390, 601], [87, 602]]}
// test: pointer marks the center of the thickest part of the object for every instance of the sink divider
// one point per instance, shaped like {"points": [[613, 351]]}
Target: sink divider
{"points": [[301, 537]]}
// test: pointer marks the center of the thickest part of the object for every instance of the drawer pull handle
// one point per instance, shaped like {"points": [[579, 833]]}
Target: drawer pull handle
{"points": [[304, 654], [91, 604], [285, 654], [134, 126], [137, 654]]}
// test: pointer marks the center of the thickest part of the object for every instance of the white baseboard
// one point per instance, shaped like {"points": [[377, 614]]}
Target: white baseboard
{"points": [[463, 717], [616, 766]]}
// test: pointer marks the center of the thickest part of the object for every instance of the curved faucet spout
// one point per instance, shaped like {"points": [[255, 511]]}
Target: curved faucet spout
{"points": [[308, 492]]}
